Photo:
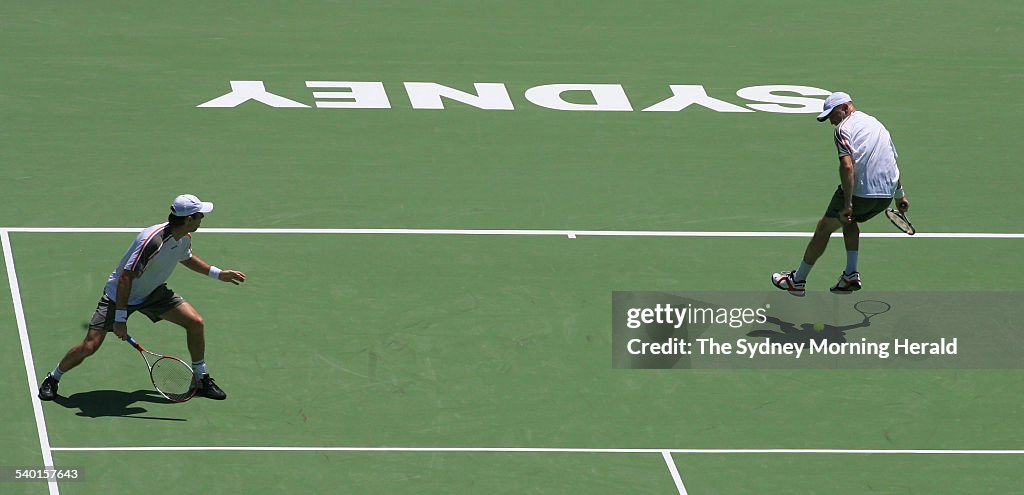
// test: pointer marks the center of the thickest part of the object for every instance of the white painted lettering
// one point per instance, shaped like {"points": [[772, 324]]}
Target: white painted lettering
{"points": [[686, 95], [796, 104], [427, 95], [607, 97], [243, 91], [361, 94]]}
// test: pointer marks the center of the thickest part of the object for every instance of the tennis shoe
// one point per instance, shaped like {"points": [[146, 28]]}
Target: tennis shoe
{"points": [[786, 282], [48, 389], [848, 282], [209, 389]]}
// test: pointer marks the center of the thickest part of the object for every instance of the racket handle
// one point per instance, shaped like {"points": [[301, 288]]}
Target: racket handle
{"points": [[134, 344]]}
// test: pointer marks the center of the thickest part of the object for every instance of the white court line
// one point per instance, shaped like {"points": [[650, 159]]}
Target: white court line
{"points": [[674, 471], [572, 234], [26, 352], [531, 449]]}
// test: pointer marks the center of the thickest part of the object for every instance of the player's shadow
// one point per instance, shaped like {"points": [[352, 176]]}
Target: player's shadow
{"points": [[789, 332], [114, 403]]}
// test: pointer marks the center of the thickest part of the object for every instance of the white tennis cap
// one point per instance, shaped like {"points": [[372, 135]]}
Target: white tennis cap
{"points": [[833, 101], [188, 204]]}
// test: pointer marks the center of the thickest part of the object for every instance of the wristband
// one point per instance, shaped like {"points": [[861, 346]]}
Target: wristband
{"points": [[899, 194], [214, 272], [120, 315]]}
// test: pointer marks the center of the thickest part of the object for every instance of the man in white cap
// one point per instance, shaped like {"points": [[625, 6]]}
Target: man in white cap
{"points": [[138, 283], [869, 180]]}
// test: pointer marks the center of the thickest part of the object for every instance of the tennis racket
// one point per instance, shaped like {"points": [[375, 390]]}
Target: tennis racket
{"points": [[172, 377], [871, 308], [900, 221]]}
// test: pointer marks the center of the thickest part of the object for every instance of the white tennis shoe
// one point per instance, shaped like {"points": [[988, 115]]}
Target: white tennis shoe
{"points": [[786, 282]]}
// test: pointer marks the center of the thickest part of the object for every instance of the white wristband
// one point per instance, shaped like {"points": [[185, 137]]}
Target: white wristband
{"points": [[214, 272], [120, 315], [899, 194]]}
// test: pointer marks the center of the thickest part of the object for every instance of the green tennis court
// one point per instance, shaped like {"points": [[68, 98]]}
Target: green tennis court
{"points": [[430, 290]]}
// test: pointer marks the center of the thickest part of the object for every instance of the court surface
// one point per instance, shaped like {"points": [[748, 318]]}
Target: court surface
{"points": [[429, 295]]}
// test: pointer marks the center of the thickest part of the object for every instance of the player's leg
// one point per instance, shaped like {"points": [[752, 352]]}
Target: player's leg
{"points": [[819, 241], [795, 281], [851, 236], [849, 280], [164, 304], [864, 209], [186, 316], [102, 321], [89, 345]]}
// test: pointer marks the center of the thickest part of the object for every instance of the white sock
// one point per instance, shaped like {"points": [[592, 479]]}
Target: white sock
{"points": [[851, 261], [56, 373], [801, 273], [199, 367]]}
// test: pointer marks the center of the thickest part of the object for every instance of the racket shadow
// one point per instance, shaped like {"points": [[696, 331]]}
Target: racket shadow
{"points": [[804, 333], [114, 403]]}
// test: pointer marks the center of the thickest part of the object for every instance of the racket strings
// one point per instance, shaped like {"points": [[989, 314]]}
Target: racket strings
{"points": [[900, 221], [173, 378]]}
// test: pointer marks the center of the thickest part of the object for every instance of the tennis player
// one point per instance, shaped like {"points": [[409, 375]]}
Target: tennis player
{"points": [[869, 180], [138, 283]]}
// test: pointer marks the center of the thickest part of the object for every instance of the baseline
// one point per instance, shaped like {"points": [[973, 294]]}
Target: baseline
{"points": [[572, 234]]}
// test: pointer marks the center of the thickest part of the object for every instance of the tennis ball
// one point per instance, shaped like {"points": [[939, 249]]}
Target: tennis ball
{"points": [[819, 327]]}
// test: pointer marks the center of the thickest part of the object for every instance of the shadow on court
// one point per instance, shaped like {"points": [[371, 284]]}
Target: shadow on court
{"points": [[114, 403], [789, 332]]}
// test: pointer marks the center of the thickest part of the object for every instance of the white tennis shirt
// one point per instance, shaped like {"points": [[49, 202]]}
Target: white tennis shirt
{"points": [[154, 253], [863, 138]]}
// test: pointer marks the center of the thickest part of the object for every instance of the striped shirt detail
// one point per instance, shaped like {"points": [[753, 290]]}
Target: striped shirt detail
{"points": [[868, 143], [842, 142], [147, 250], [152, 257]]}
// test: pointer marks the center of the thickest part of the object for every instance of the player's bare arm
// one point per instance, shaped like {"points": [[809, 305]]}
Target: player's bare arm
{"points": [[197, 265], [846, 179], [902, 203], [124, 288]]}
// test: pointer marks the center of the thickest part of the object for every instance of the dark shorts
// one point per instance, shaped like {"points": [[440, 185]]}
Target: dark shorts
{"points": [[863, 208], [157, 303]]}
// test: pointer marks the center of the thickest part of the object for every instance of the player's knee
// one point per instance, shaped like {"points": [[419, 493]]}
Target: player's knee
{"points": [[826, 226], [821, 229], [90, 346], [196, 324]]}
